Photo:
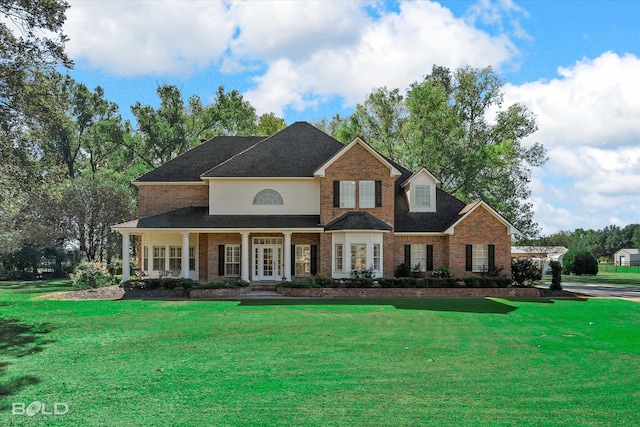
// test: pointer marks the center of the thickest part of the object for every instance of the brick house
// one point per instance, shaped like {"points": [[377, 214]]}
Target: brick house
{"points": [[299, 203]]}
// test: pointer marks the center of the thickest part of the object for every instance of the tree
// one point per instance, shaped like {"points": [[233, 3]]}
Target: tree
{"points": [[269, 124], [580, 262], [174, 127], [453, 124], [31, 44], [31, 39], [636, 237], [91, 205]]}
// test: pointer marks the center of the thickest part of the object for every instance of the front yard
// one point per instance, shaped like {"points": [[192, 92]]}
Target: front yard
{"points": [[329, 362]]}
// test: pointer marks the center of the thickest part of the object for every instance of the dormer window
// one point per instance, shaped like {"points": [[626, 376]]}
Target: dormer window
{"points": [[420, 190], [422, 196], [268, 197]]}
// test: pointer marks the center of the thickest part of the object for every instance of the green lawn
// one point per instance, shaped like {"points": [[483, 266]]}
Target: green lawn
{"points": [[402, 362], [624, 280]]}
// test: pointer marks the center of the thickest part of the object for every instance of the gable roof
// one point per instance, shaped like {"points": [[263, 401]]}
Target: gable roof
{"points": [[190, 165], [422, 171], [296, 151], [357, 220], [393, 171], [469, 208], [630, 251]]}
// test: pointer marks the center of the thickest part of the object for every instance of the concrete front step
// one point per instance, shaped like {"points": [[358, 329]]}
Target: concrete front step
{"points": [[263, 287]]}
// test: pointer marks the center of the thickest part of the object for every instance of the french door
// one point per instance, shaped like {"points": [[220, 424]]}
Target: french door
{"points": [[267, 258]]}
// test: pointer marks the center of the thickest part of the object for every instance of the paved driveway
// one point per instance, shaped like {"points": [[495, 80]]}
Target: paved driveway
{"points": [[604, 291]]}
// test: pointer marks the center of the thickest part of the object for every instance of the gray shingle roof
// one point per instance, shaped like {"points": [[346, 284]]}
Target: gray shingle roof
{"points": [[447, 212], [189, 166], [296, 151], [355, 220], [195, 217]]}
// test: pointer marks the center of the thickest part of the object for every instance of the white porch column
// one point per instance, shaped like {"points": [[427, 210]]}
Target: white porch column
{"points": [[286, 274], [244, 260], [184, 271], [126, 263]]}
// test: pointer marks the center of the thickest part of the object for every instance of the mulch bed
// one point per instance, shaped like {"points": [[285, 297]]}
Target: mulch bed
{"points": [[117, 292]]}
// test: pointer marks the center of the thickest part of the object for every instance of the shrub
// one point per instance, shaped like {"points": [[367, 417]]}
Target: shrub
{"points": [[580, 262], [523, 269], [365, 273], [442, 272], [404, 270], [397, 282], [164, 283], [92, 275], [556, 276]]}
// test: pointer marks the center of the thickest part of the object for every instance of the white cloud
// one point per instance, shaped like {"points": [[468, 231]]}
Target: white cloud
{"points": [[394, 50], [593, 103], [130, 38], [298, 53], [589, 119]]}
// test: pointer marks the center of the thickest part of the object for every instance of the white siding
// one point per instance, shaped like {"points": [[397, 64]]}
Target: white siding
{"points": [[151, 239], [346, 239], [235, 197], [421, 179]]}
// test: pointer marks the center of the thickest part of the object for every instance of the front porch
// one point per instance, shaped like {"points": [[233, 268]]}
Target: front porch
{"points": [[259, 257]]}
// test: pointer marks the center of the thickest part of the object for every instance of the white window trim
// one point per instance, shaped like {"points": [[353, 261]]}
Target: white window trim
{"points": [[479, 258], [419, 255], [367, 195], [303, 260], [345, 240], [347, 203], [414, 206], [228, 263]]}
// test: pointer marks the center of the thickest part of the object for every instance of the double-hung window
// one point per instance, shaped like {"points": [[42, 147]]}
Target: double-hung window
{"points": [[347, 194], [303, 260], [175, 258], [159, 253], [419, 257], [367, 196], [480, 258], [423, 195], [232, 260], [376, 257], [358, 256], [339, 266]]}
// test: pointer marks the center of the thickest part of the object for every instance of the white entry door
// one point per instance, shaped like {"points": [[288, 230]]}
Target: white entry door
{"points": [[267, 259]]}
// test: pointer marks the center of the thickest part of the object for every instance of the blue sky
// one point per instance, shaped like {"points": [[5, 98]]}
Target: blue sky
{"points": [[576, 64]]}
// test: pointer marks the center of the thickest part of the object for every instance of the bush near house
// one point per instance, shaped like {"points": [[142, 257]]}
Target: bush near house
{"points": [[93, 274], [404, 282], [523, 271], [187, 284]]}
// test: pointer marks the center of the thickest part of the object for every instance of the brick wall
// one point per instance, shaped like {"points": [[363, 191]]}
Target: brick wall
{"points": [[411, 292], [203, 261], [355, 165], [440, 249], [157, 199], [479, 227], [213, 242]]}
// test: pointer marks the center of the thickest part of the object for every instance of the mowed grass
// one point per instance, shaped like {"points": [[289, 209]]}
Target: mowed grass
{"points": [[290, 362], [617, 279]]}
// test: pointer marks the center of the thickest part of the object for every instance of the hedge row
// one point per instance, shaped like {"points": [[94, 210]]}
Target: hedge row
{"points": [[404, 282], [187, 284]]}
